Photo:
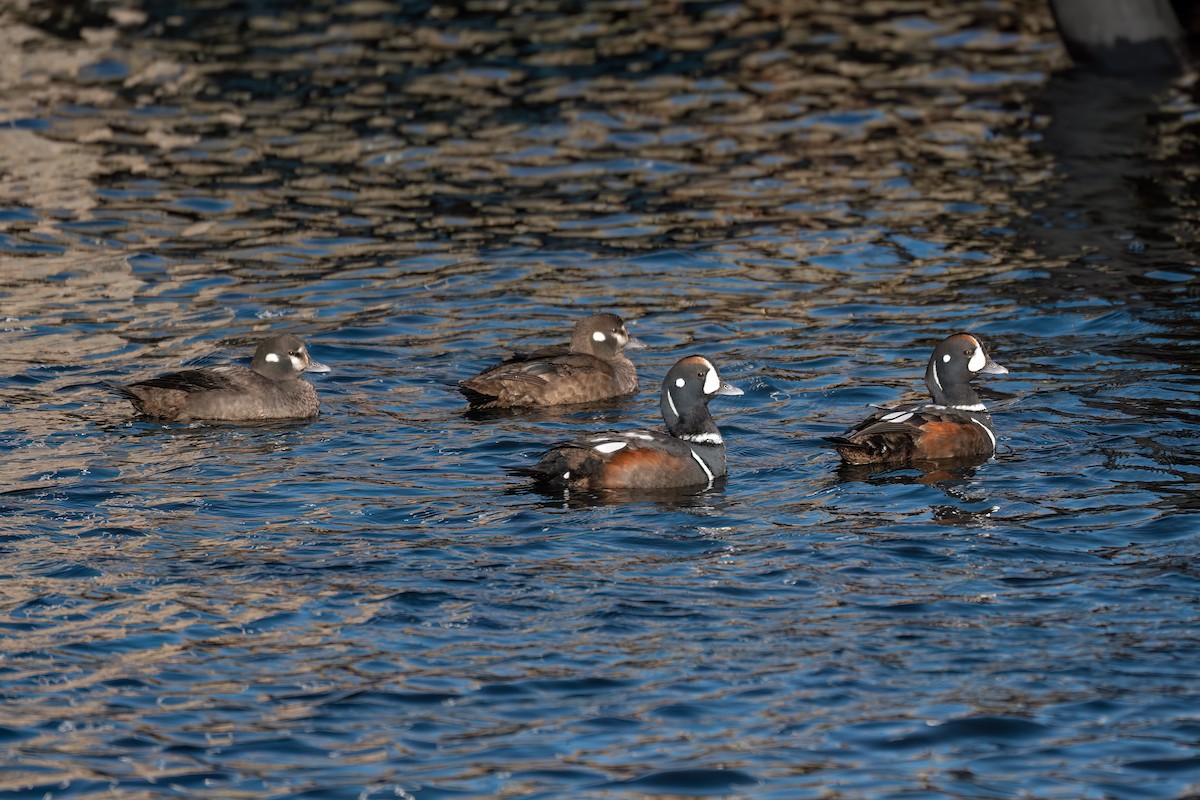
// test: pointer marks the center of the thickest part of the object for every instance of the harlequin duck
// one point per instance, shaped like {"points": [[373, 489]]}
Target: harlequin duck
{"points": [[955, 425], [691, 454], [592, 367], [269, 388]]}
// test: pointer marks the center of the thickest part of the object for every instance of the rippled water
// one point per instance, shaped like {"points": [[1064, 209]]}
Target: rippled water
{"points": [[811, 194]]}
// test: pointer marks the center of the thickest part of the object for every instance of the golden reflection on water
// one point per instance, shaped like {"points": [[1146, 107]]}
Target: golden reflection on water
{"points": [[641, 127]]}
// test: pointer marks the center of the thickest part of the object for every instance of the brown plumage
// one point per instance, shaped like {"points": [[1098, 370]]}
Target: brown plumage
{"points": [[928, 435], [591, 368], [268, 389]]}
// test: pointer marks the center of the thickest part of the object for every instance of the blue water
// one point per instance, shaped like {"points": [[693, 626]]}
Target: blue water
{"points": [[369, 605]]}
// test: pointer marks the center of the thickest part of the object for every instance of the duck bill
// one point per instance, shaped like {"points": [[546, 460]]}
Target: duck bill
{"points": [[635, 343], [728, 390], [316, 366], [992, 368]]}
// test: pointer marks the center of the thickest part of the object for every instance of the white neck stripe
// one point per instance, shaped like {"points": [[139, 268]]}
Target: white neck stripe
{"points": [[703, 438], [988, 431], [940, 407], [703, 466], [936, 379], [671, 403]]}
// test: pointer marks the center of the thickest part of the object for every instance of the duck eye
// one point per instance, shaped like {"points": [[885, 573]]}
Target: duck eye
{"points": [[966, 352]]}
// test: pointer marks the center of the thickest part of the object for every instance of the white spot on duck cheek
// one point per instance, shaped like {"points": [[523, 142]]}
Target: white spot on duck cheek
{"points": [[946, 358], [711, 381], [272, 358], [598, 336], [978, 360], [609, 447], [567, 475], [679, 382]]}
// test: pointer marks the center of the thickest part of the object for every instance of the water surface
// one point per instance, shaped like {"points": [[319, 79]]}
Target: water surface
{"points": [[809, 194]]}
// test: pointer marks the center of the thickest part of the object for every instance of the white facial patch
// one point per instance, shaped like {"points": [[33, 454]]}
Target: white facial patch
{"points": [[946, 358], [680, 382], [297, 363], [978, 360], [598, 336], [609, 447], [272, 358], [711, 381]]}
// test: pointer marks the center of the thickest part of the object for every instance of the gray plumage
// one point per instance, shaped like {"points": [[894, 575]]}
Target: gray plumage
{"points": [[269, 389]]}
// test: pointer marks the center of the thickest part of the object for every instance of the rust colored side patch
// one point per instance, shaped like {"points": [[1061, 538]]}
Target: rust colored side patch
{"points": [[952, 440], [631, 469]]}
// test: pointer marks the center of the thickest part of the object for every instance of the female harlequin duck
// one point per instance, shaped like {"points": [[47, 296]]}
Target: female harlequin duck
{"points": [[268, 389], [693, 455], [955, 425], [591, 368]]}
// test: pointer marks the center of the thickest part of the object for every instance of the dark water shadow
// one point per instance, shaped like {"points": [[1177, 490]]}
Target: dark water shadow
{"points": [[138, 426], [711, 498], [1119, 208], [608, 411], [945, 473]]}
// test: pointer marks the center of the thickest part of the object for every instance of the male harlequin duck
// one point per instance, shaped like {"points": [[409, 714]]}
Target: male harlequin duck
{"points": [[692, 455], [270, 388], [592, 367], [955, 425]]}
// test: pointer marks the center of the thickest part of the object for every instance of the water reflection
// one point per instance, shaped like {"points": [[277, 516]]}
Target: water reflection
{"points": [[706, 501], [607, 412], [932, 473], [708, 123]]}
